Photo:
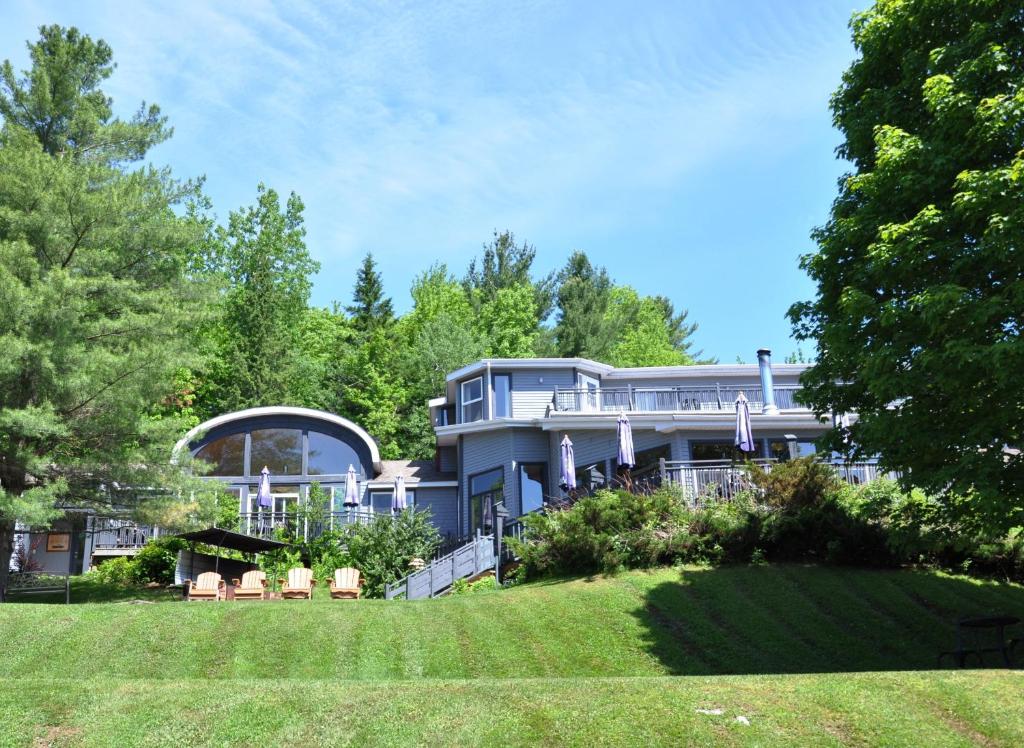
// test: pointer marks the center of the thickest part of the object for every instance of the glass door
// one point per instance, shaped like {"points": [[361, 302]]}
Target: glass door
{"points": [[590, 396]]}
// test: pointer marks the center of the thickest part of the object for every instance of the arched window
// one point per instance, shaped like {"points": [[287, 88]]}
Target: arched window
{"points": [[280, 450], [226, 454], [328, 455]]}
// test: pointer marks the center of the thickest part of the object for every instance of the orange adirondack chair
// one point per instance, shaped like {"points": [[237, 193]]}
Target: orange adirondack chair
{"points": [[253, 586], [208, 586], [345, 584], [298, 585]]}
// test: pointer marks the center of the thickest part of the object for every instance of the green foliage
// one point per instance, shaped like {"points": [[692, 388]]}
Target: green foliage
{"points": [[645, 331], [97, 294], [383, 548], [800, 515], [370, 309], [584, 295], [795, 484], [507, 265], [464, 587], [920, 294], [115, 572], [604, 532], [508, 322], [156, 560], [265, 267]]}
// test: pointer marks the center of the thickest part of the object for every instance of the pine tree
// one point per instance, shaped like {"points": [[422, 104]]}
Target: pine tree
{"points": [[584, 292], [371, 309], [97, 297]]}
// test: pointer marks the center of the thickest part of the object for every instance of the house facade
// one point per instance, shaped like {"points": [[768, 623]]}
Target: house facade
{"points": [[498, 428]]}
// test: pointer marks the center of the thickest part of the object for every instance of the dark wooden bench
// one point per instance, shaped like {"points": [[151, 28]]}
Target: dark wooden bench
{"points": [[975, 630]]}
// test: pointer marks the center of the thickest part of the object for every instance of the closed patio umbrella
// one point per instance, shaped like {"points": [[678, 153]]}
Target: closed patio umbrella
{"points": [[263, 498], [398, 502], [568, 473], [627, 459], [744, 435], [351, 488]]}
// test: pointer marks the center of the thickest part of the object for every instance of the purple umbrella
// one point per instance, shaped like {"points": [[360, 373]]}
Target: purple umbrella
{"points": [[263, 497], [398, 502], [627, 459], [351, 488], [568, 476], [744, 434]]}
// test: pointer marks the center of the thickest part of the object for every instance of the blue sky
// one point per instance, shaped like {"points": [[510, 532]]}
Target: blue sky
{"points": [[687, 145]]}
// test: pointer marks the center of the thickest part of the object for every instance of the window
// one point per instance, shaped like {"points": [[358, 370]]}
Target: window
{"points": [[779, 448], [648, 461], [473, 400], [328, 455], [280, 450], [502, 396], [531, 485], [724, 450], [227, 454], [380, 501], [484, 491]]}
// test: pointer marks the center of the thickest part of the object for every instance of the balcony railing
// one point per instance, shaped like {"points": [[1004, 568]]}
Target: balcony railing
{"points": [[119, 534], [701, 480], [715, 398], [298, 525]]}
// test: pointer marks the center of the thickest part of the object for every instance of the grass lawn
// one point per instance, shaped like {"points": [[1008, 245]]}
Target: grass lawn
{"points": [[808, 654]]}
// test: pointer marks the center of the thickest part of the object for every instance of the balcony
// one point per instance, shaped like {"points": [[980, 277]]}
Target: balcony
{"points": [[699, 480], [118, 536], [711, 399]]}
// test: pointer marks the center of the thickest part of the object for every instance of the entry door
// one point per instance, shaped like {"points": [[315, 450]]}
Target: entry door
{"points": [[590, 396]]}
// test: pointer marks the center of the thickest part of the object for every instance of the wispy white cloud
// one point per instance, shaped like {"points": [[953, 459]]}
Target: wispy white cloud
{"points": [[413, 129]]}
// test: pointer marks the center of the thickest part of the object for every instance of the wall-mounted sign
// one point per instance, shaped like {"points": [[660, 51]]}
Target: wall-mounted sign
{"points": [[57, 542]]}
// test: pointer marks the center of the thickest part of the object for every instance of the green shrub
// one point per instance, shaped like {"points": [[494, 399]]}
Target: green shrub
{"points": [[606, 532], [463, 587], [795, 484], [115, 572], [156, 560], [383, 548]]}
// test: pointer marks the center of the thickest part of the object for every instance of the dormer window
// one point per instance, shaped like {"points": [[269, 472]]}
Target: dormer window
{"points": [[473, 400]]}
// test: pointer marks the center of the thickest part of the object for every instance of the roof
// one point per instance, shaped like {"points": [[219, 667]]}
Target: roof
{"points": [[529, 363], [222, 538], [414, 471], [282, 410]]}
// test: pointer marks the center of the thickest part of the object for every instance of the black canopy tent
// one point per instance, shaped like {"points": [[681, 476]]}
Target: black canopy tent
{"points": [[237, 541]]}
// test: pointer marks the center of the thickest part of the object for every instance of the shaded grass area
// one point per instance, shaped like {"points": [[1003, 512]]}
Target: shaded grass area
{"points": [[85, 589], [694, 621], [897, 709]]}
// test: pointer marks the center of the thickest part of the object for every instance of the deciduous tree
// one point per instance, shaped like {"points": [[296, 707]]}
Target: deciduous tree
{"points": [[920, 277]]}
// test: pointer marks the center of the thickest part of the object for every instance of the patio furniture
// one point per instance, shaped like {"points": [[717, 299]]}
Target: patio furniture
{"points": [[208, 586], [253, 586], [298, 585], [345, 584], [975, 629]]}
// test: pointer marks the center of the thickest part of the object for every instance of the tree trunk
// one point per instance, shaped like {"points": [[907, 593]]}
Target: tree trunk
{"points": [[6, 548]]}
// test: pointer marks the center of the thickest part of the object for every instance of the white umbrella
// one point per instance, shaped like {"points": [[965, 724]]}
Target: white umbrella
{"points": [[744, 435], [351, 487], [398, 502], [627, 459]]}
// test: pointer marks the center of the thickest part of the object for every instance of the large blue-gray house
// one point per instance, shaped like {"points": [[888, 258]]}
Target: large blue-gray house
{"points": [[498, 428]]}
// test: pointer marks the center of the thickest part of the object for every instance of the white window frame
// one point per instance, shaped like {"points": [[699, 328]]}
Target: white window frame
{"points": [[466, 402], [410, 498]]}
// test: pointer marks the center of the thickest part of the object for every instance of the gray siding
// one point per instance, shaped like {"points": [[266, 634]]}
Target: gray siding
{"points": [[481, 452], [443, 504], [528, 445], [530, 397], [448, 459]]}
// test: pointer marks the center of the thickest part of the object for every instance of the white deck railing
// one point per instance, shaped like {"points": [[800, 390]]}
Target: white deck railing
{"points": [[721, 480], [715, 398]]}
